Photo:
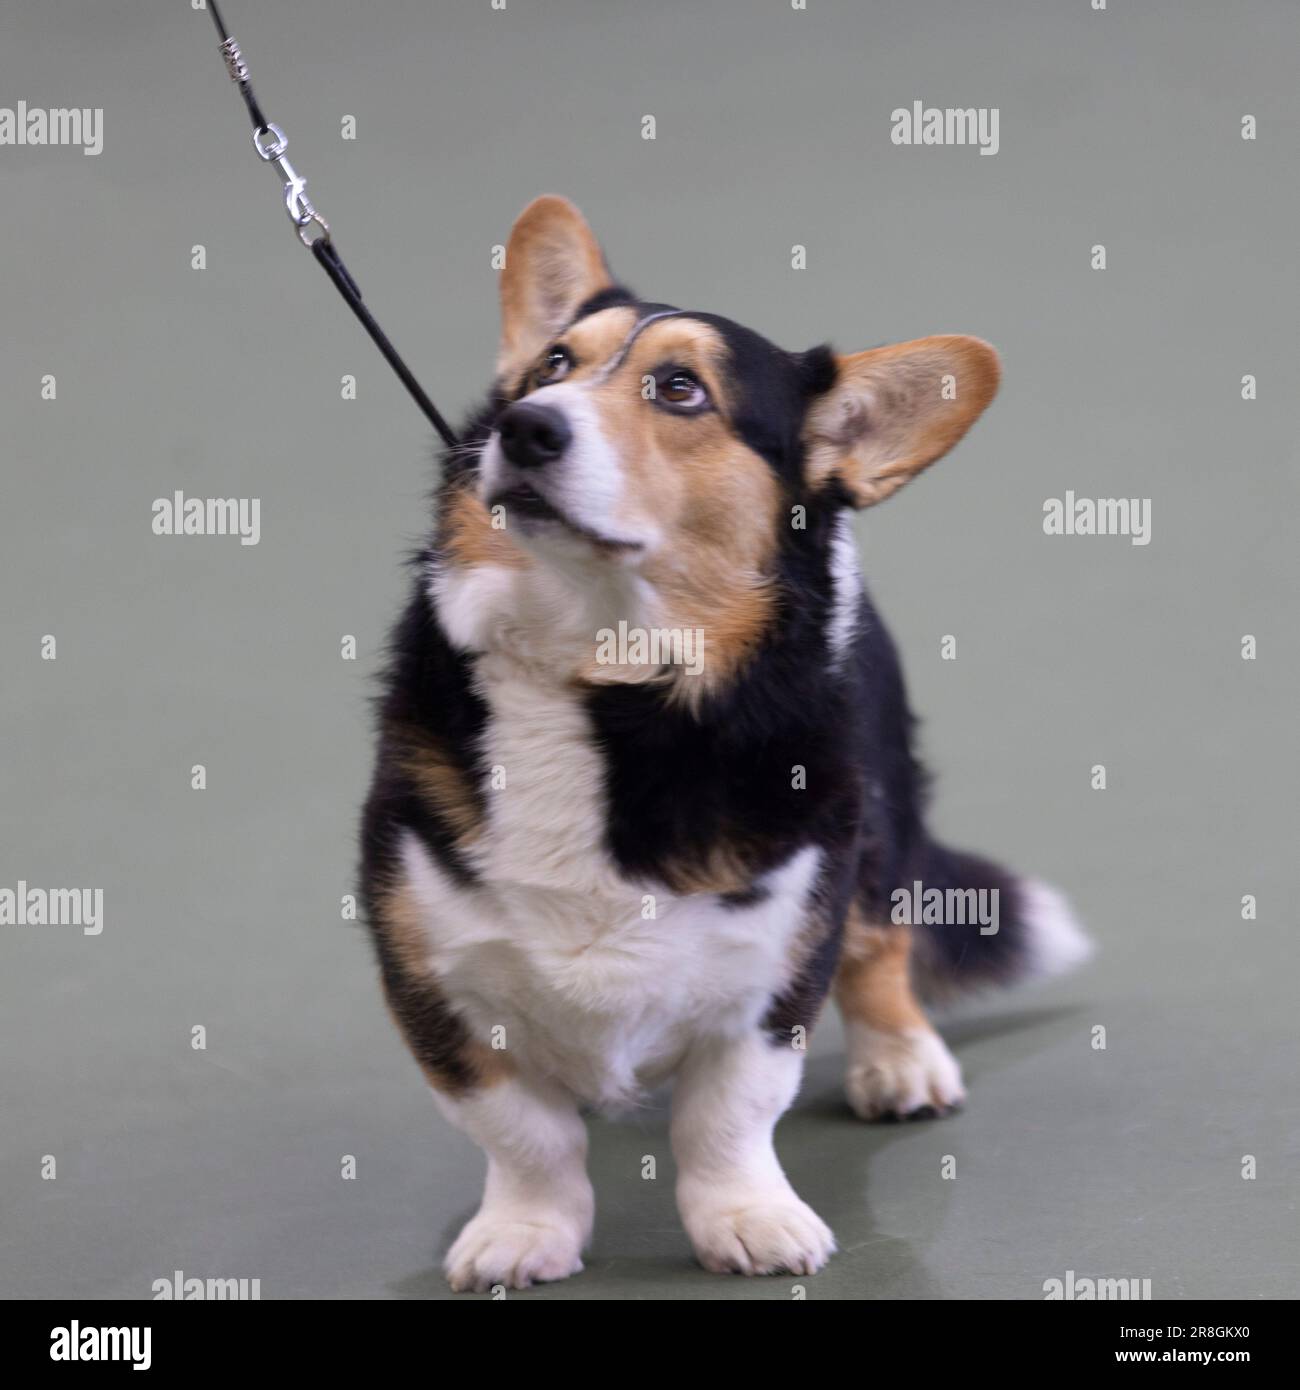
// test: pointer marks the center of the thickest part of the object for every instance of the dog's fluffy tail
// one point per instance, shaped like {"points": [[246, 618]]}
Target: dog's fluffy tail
{"points": [[958, 949]]}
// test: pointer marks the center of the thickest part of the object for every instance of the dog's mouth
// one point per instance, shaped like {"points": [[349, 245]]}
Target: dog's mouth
{"points": [[526, 505], [525, 502]]}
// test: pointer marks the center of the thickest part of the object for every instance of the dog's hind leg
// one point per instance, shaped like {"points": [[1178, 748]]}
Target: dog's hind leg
{"points": [[898, 1066]]}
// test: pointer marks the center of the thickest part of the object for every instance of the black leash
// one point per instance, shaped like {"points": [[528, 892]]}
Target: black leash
{"points": [[270, 142]]}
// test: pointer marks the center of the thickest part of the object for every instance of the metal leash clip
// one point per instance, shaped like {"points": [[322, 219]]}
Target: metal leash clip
{"points": [[270, 142]]}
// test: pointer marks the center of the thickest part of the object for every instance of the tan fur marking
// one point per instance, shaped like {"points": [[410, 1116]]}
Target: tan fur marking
{"points": [[596, 340], [713, 498], [399, 913], [440, 780], [468, 538], [722, 870], [491, 1064], [873, 983], [398, 917]]}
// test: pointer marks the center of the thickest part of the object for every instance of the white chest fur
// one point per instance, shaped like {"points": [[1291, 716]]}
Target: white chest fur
{"points": [[598, 981]]}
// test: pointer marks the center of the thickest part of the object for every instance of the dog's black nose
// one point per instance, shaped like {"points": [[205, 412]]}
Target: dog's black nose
{"points": [[532, 435]]}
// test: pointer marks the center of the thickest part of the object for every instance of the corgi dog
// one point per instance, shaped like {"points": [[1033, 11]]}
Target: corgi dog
{"points": [[645, 791]]}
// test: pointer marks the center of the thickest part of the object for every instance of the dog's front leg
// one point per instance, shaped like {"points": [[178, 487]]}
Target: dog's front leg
{"points": [[537, 1208], [737, 1205]]}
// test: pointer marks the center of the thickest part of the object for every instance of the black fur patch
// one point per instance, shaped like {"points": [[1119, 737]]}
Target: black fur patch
{"points": [[428, 685]]}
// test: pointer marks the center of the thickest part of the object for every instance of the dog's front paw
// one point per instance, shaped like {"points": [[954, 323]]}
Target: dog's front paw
{"points": [[502, 1249], [757, 1233], [909, 1074]]}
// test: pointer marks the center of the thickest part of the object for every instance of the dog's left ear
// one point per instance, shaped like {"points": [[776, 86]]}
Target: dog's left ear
{"points": [[893, 410], [553, 265]]}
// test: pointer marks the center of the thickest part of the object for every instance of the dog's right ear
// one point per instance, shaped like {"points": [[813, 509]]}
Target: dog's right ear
{"points": [[553, 265]]}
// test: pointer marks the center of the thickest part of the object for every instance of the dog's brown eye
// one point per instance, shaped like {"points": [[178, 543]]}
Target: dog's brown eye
{"points": [[682, 391], [554, 366]]}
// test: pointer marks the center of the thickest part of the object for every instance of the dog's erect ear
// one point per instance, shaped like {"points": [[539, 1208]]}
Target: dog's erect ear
{"points": [[894, 410], [553, 264]]}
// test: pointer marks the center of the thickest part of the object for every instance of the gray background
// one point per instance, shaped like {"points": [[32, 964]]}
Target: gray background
{"points": [[222, 907]]}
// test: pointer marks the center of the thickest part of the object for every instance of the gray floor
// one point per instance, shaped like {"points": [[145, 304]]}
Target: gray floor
{"points": [[1123, 1163], [222, 907]]}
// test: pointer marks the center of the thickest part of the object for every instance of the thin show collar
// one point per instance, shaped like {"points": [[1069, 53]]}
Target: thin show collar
{"points": [[634, 333]]}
